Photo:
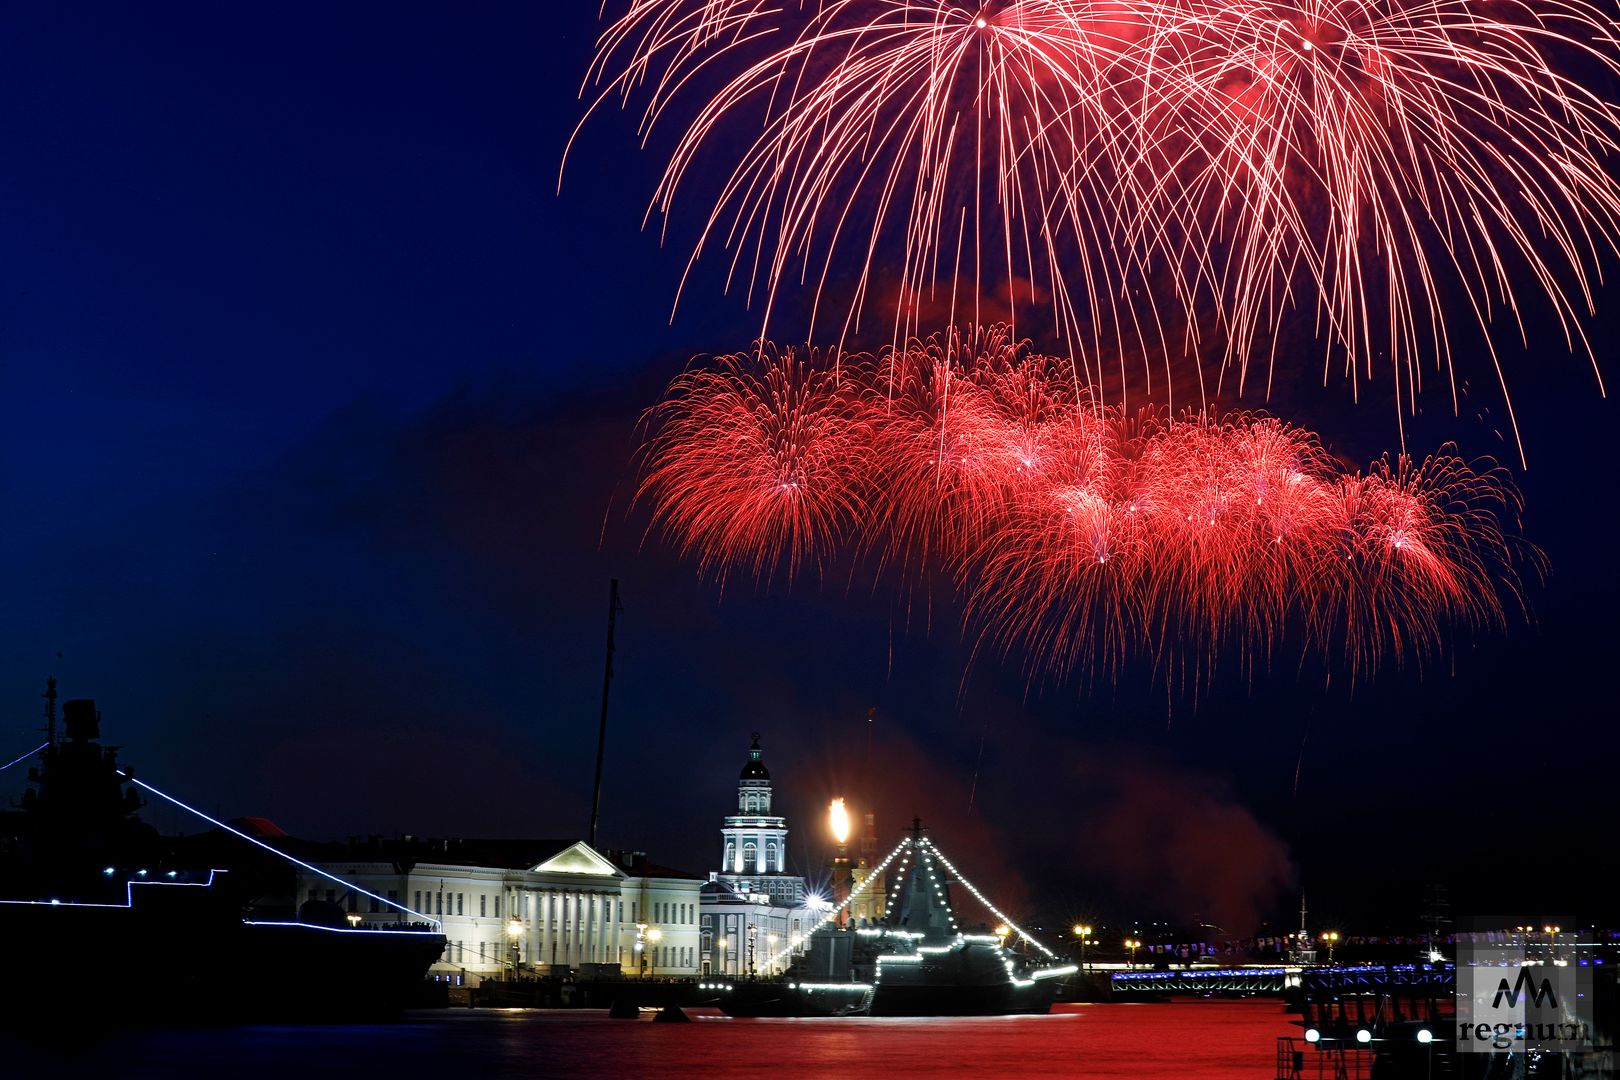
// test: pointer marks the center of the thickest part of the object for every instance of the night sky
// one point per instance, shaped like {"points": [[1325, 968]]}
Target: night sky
{"points": [[318, 409]]}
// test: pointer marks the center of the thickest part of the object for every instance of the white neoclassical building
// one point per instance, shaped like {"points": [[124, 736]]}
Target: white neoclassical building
{"points": [[529, 906], [755, 914]]}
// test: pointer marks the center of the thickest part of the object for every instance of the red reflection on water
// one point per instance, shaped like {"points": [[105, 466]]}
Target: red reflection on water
{"points": [[1220, 1040]]}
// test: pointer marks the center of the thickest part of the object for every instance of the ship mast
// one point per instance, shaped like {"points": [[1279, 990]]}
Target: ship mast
{"points": [[50, 711], [614, 607]]}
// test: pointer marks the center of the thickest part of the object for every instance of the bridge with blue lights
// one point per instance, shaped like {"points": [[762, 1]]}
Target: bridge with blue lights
{"points": [[1206, 982]]}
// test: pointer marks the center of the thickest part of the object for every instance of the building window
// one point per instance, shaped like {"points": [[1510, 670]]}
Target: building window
{"points": [[459, 898], [750, 855], [376, 905], [416, 905], [497, 905], [483, 904], [313, 895]]}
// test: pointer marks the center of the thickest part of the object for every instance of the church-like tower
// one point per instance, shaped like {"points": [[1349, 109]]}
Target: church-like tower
{"points": [[755, 853]]}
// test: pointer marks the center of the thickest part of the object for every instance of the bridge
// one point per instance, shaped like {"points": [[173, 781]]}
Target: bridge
{"points": [[1207, 982]]}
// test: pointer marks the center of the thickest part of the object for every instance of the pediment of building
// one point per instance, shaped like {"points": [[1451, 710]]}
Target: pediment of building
{"points": [[579, 858]]}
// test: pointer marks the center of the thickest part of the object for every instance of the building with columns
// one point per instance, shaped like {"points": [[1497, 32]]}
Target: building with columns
{"points": [[537, 907], [755, 914]]}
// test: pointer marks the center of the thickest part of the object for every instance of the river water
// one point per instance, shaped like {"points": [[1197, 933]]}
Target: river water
{"points": [[1224, 1040]]}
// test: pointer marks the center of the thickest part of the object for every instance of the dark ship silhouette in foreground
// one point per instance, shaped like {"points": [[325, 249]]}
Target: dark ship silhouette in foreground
{"points": [[915, 961], [99, 910]]}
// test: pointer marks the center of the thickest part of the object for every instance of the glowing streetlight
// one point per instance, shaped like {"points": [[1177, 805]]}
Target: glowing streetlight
{"points": [[1083, 932], [1330, 938], [514, 931], [722, 943], [1133, 944], [654, 936]]}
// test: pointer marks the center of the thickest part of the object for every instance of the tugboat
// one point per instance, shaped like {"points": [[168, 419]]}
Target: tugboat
{"points": [[915, 960], [97, 908]]}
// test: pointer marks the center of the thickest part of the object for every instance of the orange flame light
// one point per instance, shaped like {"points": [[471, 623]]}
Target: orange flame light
{"points": [[838, 818]]}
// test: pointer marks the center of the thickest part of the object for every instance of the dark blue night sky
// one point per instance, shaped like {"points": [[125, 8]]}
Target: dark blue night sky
{"points": [[317, 417]]}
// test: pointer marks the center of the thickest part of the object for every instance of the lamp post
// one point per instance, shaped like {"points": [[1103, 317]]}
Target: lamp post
{"points": [[770, 946], [1083, 932], [1330, 938], [1133, 944], [722, 943], [641, 949], [1001, 935], [654, 936], [514, 931], [753, 937]]}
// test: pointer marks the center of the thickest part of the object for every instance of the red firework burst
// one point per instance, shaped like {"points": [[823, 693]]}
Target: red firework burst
{"points": [[1076, 533], [1146, 168], [761, 460]]}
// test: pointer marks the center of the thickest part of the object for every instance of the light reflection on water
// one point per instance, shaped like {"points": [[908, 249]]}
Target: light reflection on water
{"points": [[1222, 1040]]}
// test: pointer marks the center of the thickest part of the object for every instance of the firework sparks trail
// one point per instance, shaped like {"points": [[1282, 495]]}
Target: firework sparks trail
{"points": [[1076, 533], [759, 461], [1138, 165]]}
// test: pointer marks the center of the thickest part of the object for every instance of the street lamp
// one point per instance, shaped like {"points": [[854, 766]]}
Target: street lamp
{"points": [[654, 936], [1133, 944], [753, 937], [770, 946], [641, 949], [514, 930], [723, 942], [1083, 932], [1331, 938]]}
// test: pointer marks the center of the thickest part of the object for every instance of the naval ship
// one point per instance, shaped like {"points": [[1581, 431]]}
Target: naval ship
{"points": [[916, 959], [100, 911]]}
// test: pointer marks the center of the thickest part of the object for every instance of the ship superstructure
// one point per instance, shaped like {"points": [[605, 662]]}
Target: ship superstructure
{"points": [[918, 959]]}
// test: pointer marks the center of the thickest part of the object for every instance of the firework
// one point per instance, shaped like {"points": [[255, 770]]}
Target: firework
{"points": [[1076, 533], [1146, 169], [759, 461]]}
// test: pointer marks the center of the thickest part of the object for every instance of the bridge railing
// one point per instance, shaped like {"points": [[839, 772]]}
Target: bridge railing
{"points": [[1268, 980]]}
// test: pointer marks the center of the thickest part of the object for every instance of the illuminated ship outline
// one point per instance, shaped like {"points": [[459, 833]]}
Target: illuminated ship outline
{"points": [[90, 919], [918, 961]]}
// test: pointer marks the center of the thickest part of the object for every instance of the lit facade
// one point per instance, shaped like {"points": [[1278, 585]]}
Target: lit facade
{"points": [[574, 910], [754, 857], [754, 915]]}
